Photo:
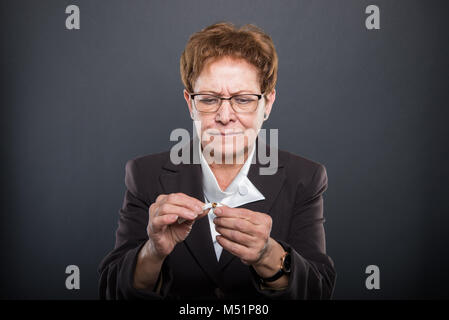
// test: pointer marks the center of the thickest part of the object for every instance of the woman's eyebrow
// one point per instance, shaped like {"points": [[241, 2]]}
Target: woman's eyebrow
{"points": [[219, 93]]}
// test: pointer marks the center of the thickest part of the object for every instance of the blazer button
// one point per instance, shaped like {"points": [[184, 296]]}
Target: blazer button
{"points": [[218, 293]]}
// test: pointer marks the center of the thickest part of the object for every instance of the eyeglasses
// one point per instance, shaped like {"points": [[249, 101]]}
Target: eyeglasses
{"points": [[241, 103]]}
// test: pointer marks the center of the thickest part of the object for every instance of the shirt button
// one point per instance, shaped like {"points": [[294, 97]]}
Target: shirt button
{"points": [[243, 190]]}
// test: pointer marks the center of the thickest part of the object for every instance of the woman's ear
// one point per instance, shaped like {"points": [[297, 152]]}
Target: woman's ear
{"points": [[270, 97], [189, 102]]}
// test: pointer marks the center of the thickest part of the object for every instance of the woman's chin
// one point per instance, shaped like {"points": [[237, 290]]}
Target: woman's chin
{"points": [[226, 153]]}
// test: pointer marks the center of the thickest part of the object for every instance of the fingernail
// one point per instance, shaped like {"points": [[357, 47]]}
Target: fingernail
{"points": [[198, 209], [217, 210], [192, 215]]}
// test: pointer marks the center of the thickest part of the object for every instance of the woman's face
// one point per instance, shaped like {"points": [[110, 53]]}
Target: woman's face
{"points": [[226, 132]]}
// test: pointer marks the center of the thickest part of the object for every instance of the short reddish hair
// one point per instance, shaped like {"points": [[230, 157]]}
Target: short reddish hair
{"points": [[222, 39]]}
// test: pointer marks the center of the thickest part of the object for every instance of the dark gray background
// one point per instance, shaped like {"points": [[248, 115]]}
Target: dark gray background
{"points": [[369, 105]]}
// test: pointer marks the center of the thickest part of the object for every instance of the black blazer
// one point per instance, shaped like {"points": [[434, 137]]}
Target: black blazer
{"points": [[293, 198]]}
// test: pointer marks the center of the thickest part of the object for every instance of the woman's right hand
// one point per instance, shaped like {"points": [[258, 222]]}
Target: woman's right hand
{"points": [[163, 229]]}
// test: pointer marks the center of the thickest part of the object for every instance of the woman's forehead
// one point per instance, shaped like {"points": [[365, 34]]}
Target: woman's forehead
{"points": [[228, 76], [231, 88], [229, 65]]}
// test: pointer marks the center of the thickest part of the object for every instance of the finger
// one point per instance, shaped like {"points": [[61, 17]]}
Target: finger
{"points": [[159, 222], [237, 224], [204, 213], [205, 210], [234, 247], [186, 223], [168, 208], [183, 200], [241, 213], [160, 198], [237, 236]]}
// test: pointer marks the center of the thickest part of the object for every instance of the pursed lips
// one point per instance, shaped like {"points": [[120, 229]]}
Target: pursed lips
{"points": [[225, 133]]}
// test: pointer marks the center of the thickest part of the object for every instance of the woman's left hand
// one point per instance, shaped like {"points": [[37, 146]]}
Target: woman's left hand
{"points": [[244, 233]]}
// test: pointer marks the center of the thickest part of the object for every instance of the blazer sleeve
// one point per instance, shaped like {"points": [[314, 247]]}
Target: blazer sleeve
{"points": [[312, 273], [117, 268]]}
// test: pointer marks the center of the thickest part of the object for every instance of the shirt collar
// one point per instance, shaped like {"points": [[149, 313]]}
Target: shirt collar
{"points": [[239, 192]]}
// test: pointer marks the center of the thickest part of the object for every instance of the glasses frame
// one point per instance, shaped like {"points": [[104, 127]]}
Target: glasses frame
{"points": [[259, 96]]}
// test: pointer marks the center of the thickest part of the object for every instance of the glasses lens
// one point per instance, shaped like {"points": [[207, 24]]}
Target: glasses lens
{"points": [[241, 103], [206, 103], [245, 103]]}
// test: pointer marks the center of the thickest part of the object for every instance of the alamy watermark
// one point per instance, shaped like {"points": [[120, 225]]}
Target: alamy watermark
{"points": [[373, 280], [227, 147], [72, 282]]}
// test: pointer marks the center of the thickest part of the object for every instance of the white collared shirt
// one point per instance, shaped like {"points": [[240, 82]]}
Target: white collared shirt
{"points": [[241, 191]]}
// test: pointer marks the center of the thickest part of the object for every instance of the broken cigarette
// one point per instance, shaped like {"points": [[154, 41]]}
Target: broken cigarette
{"points": [[209, 205]]}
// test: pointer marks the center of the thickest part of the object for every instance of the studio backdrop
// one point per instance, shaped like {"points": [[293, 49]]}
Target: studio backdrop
{"points": [[362, 89]]}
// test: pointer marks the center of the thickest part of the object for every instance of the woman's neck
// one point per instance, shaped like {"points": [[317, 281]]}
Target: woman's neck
{"points": [[225, 173], [225, 176]]}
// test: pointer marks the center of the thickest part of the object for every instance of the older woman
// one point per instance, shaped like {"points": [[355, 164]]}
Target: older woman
{"points": [[221, 229]]}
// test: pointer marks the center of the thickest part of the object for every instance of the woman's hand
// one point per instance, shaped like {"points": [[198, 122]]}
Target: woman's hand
{"points": [[244, 233], [163, 230]]}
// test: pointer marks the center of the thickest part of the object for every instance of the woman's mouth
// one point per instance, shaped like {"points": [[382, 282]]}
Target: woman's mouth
{"points": [[225, 133]]}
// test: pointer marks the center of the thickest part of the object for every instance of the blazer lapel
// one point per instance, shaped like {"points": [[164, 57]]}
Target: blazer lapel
{"points": [[187, 178]]}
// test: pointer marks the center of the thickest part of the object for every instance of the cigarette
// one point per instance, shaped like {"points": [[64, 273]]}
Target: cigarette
{"points": [[205, 207]]}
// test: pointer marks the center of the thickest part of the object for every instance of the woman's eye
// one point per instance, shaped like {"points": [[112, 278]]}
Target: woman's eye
{"points": [[209, 101], [243, 101]]}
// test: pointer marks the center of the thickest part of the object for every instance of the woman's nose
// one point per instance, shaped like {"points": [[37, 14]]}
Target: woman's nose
{"points": [[225, 113]]}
